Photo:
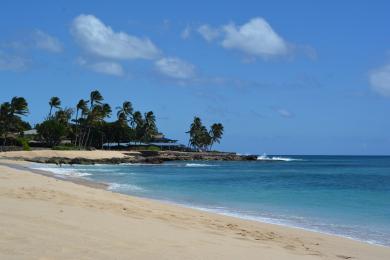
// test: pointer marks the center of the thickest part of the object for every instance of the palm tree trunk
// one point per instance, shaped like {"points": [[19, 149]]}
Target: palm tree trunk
{"points": [[81, 139], [75, 140], [86, 141]]}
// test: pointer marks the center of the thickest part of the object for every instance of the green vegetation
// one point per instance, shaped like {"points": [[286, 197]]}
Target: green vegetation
{"points": [[24, 143], [65, 147], [151, 148], [52, 131], [89, 127], [201, 138], [10, 117]]}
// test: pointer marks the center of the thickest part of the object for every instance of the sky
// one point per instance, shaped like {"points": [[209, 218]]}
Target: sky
{"points": [[283, 77]]}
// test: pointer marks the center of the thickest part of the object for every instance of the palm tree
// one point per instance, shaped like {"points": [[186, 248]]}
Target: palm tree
{"points": [[82, 105], [139, 125], [97, 116], [216, 133], [202, 139], [137, 118], [150, 127], [10, 113], [125, 111], [194, 131], [64, 115], [54, 102], [95, 97], [5, 109], [103, 112]]}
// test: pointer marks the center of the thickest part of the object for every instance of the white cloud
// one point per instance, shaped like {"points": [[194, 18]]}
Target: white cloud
{"points": [[12, 63], [208, 33], [46, 42], [380, 80], [256, 37], [175, 68], [284, 113], [110, 68], [99, 39], [185, 34], [104, 67]]}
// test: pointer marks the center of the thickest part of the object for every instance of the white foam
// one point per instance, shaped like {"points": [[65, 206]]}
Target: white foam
{"points": [[264, 157], [58, 171], [198, 165], [124, 187]]}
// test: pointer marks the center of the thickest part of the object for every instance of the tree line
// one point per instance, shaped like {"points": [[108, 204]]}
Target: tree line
{"points": [[86, 124], [89, 127]]}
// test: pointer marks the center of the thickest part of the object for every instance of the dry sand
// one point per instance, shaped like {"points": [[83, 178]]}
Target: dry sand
{"points": [[97, 154], [46, 218]]}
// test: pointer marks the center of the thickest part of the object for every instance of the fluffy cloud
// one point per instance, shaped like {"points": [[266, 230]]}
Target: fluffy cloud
{"points": [[256, 37], [208, 33], [104, 67], [46, 42], [380, 80], [99, 39], [175, 68]]}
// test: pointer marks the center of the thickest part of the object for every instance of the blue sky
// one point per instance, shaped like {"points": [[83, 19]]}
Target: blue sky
{"points": [[284, 77]]}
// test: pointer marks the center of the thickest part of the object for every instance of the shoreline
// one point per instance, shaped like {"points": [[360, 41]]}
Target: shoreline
{"points": [[22, 165], [116, 157]]}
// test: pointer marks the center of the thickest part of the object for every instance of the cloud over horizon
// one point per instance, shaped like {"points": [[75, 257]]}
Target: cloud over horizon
{"points": [[101, 40]]}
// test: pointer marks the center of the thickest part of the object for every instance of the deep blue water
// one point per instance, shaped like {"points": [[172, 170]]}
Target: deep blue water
{"points": [[343, 195]]}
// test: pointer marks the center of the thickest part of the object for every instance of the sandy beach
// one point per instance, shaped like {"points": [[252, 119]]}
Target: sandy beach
{"points": [[97, 154], [46, 218]]}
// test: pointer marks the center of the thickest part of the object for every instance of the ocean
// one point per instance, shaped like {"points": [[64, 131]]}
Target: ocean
{"points": [[342, 195]]}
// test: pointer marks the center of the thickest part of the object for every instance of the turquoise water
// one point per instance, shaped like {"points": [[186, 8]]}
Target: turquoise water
{"points": [[347, 196]]}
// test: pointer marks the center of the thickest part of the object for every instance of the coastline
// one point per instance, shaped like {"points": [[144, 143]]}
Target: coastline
{"points": [[115, 157], [279, 242]]}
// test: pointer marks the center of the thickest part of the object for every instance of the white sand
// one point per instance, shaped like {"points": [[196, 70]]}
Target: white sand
{"points": [[98, 154]]}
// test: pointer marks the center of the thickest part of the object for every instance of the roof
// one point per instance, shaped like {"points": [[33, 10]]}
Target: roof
{"points": [[30, 132], [142, 144]]}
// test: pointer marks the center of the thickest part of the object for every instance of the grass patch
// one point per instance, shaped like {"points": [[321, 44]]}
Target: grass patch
{"points": [[65, 147]]}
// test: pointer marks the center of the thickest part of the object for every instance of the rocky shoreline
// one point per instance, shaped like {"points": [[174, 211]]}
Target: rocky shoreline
{"points": [[151, 157]]}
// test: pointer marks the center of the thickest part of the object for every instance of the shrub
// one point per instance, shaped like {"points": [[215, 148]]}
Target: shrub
{"points": [[65, 147], [24, 143], [152, 148], [52, 131]]}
